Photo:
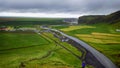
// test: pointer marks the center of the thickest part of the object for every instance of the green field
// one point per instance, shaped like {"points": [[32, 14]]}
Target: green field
{"points": [[17, 40], [35, 51], [30, 21], [102, 37], [40, 50]]}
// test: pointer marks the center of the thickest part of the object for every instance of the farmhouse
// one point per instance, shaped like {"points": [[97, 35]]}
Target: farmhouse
{"points": [[3, 28]]}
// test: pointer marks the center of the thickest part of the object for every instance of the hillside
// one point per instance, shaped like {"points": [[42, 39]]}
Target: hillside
{"points": [[90, 19], [112, 18]]}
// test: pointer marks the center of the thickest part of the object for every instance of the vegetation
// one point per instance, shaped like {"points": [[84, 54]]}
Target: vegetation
{"points": [[92, 19], [102, 37], [16, 40], [32, 50], [27, 49], [30, 21], [60, 26]]}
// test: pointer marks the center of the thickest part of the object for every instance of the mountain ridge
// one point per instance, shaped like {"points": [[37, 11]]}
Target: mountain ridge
{"points": [[93, 19]]}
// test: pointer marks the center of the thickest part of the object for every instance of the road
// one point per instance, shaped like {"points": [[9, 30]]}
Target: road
{"points": [[92, 56]]}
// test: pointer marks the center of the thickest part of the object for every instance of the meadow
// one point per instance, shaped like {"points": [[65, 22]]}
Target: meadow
{"points": [[102, 37], [32, 50], [30, 21], [17, 40]]}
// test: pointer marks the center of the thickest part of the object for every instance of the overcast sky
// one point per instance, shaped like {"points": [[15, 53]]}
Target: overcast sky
{"points": [[57, 8]]}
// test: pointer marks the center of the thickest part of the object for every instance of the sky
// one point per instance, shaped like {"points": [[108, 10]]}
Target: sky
{"points": [[57, 8]]}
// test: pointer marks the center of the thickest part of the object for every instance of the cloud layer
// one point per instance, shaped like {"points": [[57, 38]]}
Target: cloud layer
{"points": [[60, 6]]}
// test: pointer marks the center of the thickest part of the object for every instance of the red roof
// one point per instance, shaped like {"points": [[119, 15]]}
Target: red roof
{"points": [[3, 28]]}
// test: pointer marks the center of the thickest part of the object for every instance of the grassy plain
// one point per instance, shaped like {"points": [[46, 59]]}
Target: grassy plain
{"points": [[16, 40], [35, 51], [102, 37], [30, 21]]}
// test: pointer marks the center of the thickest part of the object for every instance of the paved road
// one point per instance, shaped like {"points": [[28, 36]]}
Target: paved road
{"points": [[92, 57]]}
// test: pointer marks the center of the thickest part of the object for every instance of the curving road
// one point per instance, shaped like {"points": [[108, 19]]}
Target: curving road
{"points": [[91, 55]]}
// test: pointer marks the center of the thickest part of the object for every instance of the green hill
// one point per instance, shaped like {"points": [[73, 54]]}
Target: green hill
{"points": [[90, 19], [112, 18]]}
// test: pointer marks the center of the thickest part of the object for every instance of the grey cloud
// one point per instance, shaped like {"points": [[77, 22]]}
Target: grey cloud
{"points": [[63, 6]]}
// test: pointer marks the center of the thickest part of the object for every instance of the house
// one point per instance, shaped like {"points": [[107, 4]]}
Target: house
{"points": [[3, 28]]}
